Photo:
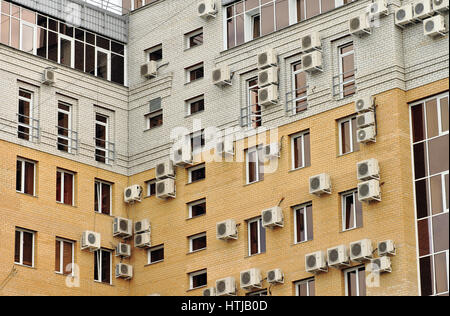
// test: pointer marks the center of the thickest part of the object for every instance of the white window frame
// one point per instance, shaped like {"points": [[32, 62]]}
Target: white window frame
{"points": [[22, 231], [22, 180], [152, 50], [305, 223], [298, 283], [301, 136], [69, 129], [192, 68], [340, 122], [149, 254], [61, 198], [294, 88], [344, 195], [257, 150], [149, 116], [189, 103], [191, 242], [108, 54], [192, 204], [61, 255], [34, 27], [148, 184], [195, 168], [257, 220], [72, 49], [250, 113], [194, 274], [188, 37], [346, 274], [100, 265], [99, 194], [30, 101], [341, 56], [106, 125]]}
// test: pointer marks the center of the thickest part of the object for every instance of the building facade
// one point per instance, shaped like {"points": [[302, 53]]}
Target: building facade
{"points": [[297, 91]]}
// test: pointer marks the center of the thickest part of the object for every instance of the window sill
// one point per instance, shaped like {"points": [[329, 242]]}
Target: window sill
{"points": [[153, 263], [26, 194], [196, 251], [350, 229], [193, 114], [197, 181], [254, 255], [248, 184], [63, 204], [109, 215], [103, 283], [193, 81], [153, 128], [191, 48], [24, 266], [346, 154], [198, 216], [301, 243], [197, 288], [297, 169]]}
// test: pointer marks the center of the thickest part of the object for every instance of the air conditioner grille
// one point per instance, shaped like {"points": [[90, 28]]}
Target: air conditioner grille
{"points": [[123, 225], [201, 8], [354, 23], [374, 8], [128, 193], [364, 190], [271, 275], [382, 247], [161, 187], [315, 183], [429, 26], [161, 168], [311, 261], [419, 8], [401, 14], [262, 59], [138, 239], [91, 238], [124, 248], [124, 269], [217, 75], [356, 250], [245, 278], [138, 226], [361, 120], [222, 229], [376, 264], [221, 286], [306, 41], [334, 255], [438, 2], [50, 75], [207, 292], [264, 95], [267, 216], [307, 61], [360, 104], [363, 169], [144, 70], [263, 77], [362, 134]]}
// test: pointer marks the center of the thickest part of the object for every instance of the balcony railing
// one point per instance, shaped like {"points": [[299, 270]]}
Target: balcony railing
{"points": [[344, 84], [27, 128], [105, 151], [251, 118], [67, 140], [296, 103]]}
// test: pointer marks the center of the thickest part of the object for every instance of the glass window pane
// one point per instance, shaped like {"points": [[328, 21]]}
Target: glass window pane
{"points": [[29, 178], [309, 221], [17, 247], [351, 284], [68, 188], [53, 46], [422, 199], [90, 59], [438, 153], [300, 10], [300, 213], [42, 42], [354, 131], [27, 249], [58, 186], [312, 288], [418, 123], [106, 199], [79, 55], [436, 194], [240, 26], [345, 137], [303, 289], [440, 232], [312, 8], [444, 114], [5, 29], [58, 256], [307, 144], [27, 38], [15, 33], [426, 276], [362, 282], [424, 232], [251, 4], [67, 257], [441, 272], [420, 160], [117, 69], [102, 65], [267, 18], [28, 16], [19, 175], [432, 118], [253, 238], [327, 5], [231, 42], [298, 152], [106, 267], [282, 14]]}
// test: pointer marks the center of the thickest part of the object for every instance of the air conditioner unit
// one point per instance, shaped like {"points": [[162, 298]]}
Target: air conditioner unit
{"points": [[226, 147], [368, 169], [49, 77], [311, 42], [275, 276], [150, 69], [267, 59], [361, 250], [320, 184], [378, 8], [404, 15], [268, 76], [182, 156], [211, 291], [272, 217], [251, 279], [316, 262], [142, 240], [226, 286], [165, 170], [221, 76], [133, 194], [422, 9], [359, 25], [364, 104], [338, 256], [268, 95], [206, 9], [369, 191], [123, 250], [386, 248], [165, 189], [122, 227], [142, 226], [380, 265], [124, 271], [90, 240], [434, 26], [367, 134], [440, 5], [312, 62], [272, 151], [226, 230], [365, 119]]}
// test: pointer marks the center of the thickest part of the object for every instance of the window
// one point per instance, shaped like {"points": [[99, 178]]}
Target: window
{"points": [[155, 53], [101, 138], [154, 119], [347, 85], [303, 223], [103, 62], [102, 266], [301, 150], [24, 247], [194, 38], [305, 287], [197, 140], [103, 197], [351, 211], [64, 256], [65, 132], [256, 237], [65, 187], [355, 281], [25, 176], [430, 147], [254, 165], [348, 141], [24, 115], [251, 115], [197, 208], [156, 254], [151, 188], [195, 72], [198, 279], [258, 293], [66, 51], [298, 98], [197, 173], [197, 242], [195, 105]]}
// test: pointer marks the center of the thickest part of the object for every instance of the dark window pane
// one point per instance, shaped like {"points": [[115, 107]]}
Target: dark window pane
{"points": [[300, 214], [312, 288], [117, 69], [17, 247], [19, 175], [102, 65], [106, 267], [418, 123], [53, 46], [90, 59], [103, 43], [198, 209], [79, 55], [79, 34], [441, 272], [156, 121], [68, 188], [438, 154], [67, 257], [282, 14], [420, 160], [199, 280], [106, 199], [362, 282], [426, 276], [196, 40], [197, 175], [256, 25], [58, 186], [29, 178], [117, 48], [197, 106], [65, 29], [303, 289], [351, 284], [424, 234], [42, 42], [58, 256], [157, 255], [436, 194], [42, 21], [90, 38], [440, 232], [422, 199], [253, 238], [156, 55], [199, 243], [53, 25], [345, 137], [96, 196], [231, 42], [27, 249]]}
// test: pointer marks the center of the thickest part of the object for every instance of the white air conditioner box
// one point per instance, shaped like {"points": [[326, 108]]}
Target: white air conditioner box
{"points": [[440, 5], [366, 135], [142, 240], [150, 69], [182, 155], [226, 286], [422, 9], [267, 59], [359, 25], [380, 265], [225, 146], [267, 77], [368, 169], [122, 227], [361, 250], [211, 291], [378, 8], [206, 9], [226, 230], [165, 189], [365, 119], [369, 191], [275, 276], [221, 76], [49, 77], [272, 151], [268, 95], [316, 262], [365, 104], [404, 15], [320, 184], [338, 256], [386, 248], [133, 194], [434, 26], [311, 42], [165, 170], [124, 271], [90, 240], [142, 226], [123, 250], [272, 217], [251, 279], [312, 62]]}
